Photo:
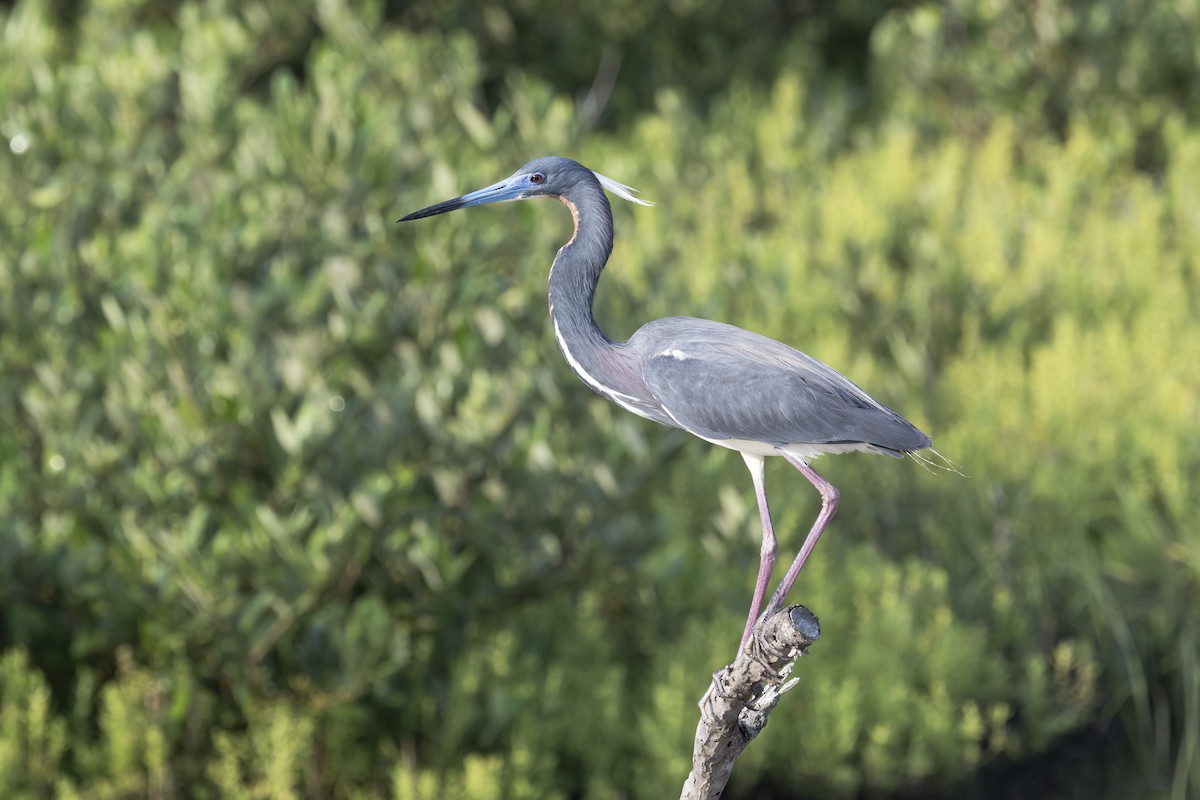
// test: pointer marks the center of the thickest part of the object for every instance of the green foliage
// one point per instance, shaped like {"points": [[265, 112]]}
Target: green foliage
{"points": [[32, 738], [1123, 67], [298, 503]]}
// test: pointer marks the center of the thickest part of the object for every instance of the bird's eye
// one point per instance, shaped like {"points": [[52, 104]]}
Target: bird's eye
{"points": [[537, 177]]}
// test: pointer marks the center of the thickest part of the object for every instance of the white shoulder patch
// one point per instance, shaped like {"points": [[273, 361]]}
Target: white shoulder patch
{"points": [[676, 354]]}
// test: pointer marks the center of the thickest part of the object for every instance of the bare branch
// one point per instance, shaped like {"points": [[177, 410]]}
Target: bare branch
{"points": [[734, 709]]}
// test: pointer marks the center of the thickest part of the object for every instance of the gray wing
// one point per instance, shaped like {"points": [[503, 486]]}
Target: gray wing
{"points": [[721, 382]]}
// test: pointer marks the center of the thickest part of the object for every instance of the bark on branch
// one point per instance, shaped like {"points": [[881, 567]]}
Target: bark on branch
{"points": [[734, 709]]}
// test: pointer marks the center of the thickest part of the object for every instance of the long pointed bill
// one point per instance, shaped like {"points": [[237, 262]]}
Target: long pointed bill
{"points": [[507, 189]]}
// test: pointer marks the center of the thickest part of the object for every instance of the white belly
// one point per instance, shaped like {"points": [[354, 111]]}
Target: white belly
{"points": [[803, 451]]}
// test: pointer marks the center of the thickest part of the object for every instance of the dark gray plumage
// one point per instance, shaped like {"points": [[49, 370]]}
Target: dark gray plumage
{"points": [[723, 384]]}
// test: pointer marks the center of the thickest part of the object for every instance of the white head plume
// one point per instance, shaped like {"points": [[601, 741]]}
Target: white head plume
{"points": [[621, 190]]}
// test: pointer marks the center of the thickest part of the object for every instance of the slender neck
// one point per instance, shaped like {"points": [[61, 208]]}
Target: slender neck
{"points": [[576, 271], [610, 369]]}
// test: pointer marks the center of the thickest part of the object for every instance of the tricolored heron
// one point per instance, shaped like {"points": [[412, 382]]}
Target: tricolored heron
{"points": [[723, 384]]}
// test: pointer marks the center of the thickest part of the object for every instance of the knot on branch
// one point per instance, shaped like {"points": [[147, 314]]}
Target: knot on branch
{"points": [[781, 638]]}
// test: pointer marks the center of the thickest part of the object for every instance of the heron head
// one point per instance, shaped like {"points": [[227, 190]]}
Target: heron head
{"points": [[551, 176]]}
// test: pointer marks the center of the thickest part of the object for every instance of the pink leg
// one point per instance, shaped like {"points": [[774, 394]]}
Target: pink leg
{"points": [[829, 504], [766, 556]]}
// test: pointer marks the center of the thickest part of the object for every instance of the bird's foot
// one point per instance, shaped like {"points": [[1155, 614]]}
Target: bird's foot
{"points": [[714, 691], [772, 650]]}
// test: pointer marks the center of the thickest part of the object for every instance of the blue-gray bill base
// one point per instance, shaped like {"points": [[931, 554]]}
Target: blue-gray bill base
{"points": [[723, 384]]}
